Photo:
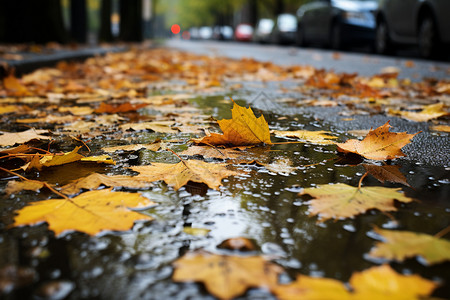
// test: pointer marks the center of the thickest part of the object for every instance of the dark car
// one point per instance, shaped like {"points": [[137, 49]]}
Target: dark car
{"points": [[425, 23], [337, 23], [285, 29]]}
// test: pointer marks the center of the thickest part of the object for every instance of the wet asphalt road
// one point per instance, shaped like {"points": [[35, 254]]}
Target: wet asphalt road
{"points": [[360, 61], [428, 148]]}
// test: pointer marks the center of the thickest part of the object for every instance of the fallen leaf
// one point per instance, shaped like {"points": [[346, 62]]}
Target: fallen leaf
{"points": [[91, 212], [242, 130], [384, 283], [179, 174], [400, 245], [212, 152], [95, 180], [162, 126], [14, 86], [14, 187], [429, 112], [50, 119], [384, 173], [443, 128], [315, 137], [379, 144], [224, 276], [372, 284], [313, 288], [345, 201], [55, 160], [237, 244], [124, 107], [280, 166], [11, 138], [101, 159], [134, 147], [6, 109], [77, 110], [196, 231]]}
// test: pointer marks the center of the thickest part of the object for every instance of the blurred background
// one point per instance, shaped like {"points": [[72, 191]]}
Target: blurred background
{"points": [[383, 26]]}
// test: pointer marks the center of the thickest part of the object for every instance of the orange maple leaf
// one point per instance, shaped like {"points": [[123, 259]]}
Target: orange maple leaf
{"points": [[379, 144], [243, 129]]}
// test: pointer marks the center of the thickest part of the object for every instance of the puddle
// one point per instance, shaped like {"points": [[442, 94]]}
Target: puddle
{"points": [[260, 204]]}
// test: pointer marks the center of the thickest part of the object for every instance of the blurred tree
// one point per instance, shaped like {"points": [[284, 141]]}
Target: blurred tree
{"points": [[25, 21], [105, 32], [78, 20], [130, 20]]}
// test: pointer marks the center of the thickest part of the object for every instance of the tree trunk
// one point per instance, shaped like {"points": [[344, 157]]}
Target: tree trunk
{"points": [[130, 20], [26, 21], [105, 34], [78, 20]]}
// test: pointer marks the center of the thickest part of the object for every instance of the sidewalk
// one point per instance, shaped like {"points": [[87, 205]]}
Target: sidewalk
{"points": [[27, 58]]}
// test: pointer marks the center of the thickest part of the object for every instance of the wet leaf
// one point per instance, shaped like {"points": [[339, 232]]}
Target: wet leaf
{"points": [[238, 244], [196, 231], [372, 284], [95, 180], [14, 86], [379, 144], [243, 129], [345, 201], [179, 174], [100, 159], [14, 187], [315, 137], [384, 173], [443, 128], [384, 283], [400, 245], [11, 138], [124, 107], [91, 212], [134, 147], [429, 112], [312, 288], [226, 277]]}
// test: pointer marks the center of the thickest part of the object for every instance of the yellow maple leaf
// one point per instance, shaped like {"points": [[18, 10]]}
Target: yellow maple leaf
{"points": [[179, 174], [384, 283], [312, 288], [399, 245], [379, 144], [345, 201], [90, 212], [376, 283], [94, 180], [226, 276], [320, 137], [243, 129], [429, 112]]}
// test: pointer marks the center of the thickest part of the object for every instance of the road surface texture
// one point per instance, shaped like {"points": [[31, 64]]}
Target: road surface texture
{"points": [[428, 148]]}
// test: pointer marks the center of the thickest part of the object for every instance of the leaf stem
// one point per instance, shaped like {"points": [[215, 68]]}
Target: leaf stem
{"points": [[44, 183], [360, 181], [442, 232]]}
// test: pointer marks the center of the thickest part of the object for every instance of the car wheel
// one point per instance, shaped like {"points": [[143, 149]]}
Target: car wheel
{"points": [[428, 38], [301, 39], [383, 44], [336, 37]]}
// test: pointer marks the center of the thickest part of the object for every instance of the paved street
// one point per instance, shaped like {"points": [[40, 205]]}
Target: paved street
{"points": [[363, 63]]}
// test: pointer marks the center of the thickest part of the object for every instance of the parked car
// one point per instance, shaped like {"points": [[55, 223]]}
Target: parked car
{"points": [[263, 30], [425, 23], [243, 32], [337, 23], [193, 33], [223, 33], [285, 29], [205, 33]]}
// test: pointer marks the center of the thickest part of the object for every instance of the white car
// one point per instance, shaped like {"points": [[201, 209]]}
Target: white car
{"points": [[425, 23]]}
